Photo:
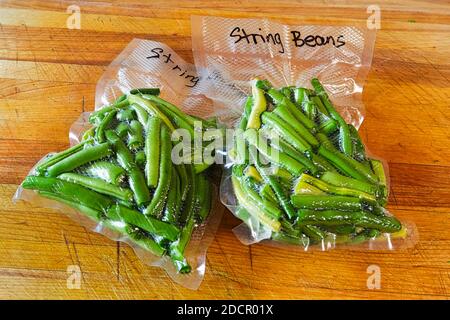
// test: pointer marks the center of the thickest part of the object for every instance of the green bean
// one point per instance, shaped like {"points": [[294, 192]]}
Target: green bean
{"points": [[314, 233], [326, 202], [324, 141], [285, 115], [172, 209], [259, 106], [79, 158], [310, 110], [122, 129], [321, 163], [262, 84], [96, 117], [172, 109], [345, 138], [348, 165], [125, 159], [121, 104], [140, 159], [284, 147], [344, 229], [302, 135], [191, 199], [200, 167], [178, 247], [303, 187], [180, 122], [69, 191], [287, 92], [338, 180], [103, 125], [267, 193], [165, 173], [121, 99], [299, 96], [149, 224], [152, 91], [88, 135], [89, 212], [139, 238], [107, 171], [358, 218], [141, 113], [251, 172], [359, 151], [178, 118], [328, 126], [281, 159], [121, 145], [208, 123], [125, 115], [279, 99], [274, 122], [184, 180], [253, 209], [98, 185], [152, 110], [318, 103], [286, 238], [377, 167], [53, 159], [239, 141], [281, 173], [135, 135], [152, 152], [124, 156], [205, 197], [322, 185], [279, 192], [268, 207]]}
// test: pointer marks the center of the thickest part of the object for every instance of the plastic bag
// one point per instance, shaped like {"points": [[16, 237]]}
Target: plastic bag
{"points": [[229, 53], [142, 64]]}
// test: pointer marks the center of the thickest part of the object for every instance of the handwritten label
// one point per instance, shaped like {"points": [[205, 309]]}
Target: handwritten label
{"points": [[158, 53], [297, 38]]}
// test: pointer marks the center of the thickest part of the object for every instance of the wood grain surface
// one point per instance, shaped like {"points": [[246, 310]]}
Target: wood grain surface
{"points": [[48, 75]]}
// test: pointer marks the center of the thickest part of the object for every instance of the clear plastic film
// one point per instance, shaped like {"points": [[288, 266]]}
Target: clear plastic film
{"points": [[142, 64], [231, 53]]}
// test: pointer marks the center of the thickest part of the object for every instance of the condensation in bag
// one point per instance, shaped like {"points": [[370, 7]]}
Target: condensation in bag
{"points": [[144, 64], [229, 53]]}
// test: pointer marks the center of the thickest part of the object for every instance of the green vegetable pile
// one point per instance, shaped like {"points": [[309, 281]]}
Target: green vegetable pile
{"points": [[303, 172], [122, 175]]}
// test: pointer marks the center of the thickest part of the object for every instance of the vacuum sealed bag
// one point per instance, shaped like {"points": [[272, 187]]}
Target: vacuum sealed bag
{"points": [[297, 171], [121, 177]]}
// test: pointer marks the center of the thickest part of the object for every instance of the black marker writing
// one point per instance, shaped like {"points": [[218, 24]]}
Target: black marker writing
{"points": [[158, 53], [255, 38], [299, 40], [316, 40]]}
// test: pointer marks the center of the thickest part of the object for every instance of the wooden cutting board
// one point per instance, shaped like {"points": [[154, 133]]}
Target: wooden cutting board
{"points": [[48, 75]]}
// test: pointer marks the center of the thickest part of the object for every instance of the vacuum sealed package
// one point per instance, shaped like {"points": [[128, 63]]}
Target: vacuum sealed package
{"points": [[297, 171], [124, 176]]}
